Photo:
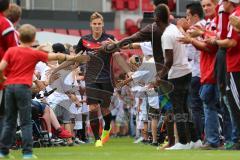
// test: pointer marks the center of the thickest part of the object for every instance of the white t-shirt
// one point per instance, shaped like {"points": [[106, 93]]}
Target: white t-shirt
{"points": [[146, 72], [180, 65], [194, 59], [146, 48], [41, 68]]}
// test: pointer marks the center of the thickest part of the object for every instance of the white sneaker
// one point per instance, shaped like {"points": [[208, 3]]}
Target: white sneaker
{"points": [[179, 146], [138, 140], [78, 141], [196, 145]]}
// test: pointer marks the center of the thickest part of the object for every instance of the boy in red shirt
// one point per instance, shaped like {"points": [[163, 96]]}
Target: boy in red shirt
{"points": [[20, 62]]}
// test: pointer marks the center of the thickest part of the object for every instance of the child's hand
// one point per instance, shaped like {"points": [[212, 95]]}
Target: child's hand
{"points": [[120, 84]]}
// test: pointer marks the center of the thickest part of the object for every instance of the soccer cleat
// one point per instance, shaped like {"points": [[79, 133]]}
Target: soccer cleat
{"points": [[105, 135], [98, 143], [6, 156], [63, 133], [29, 156]]}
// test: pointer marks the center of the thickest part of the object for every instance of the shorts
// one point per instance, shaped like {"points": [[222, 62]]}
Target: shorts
{"points": [[153, 112], [40, 106], [99, 93], [63, 115]]}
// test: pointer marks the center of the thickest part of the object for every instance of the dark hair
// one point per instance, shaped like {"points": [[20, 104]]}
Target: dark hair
{"points": [[4, 4], [196, 8], [157, 2], [162, 13], [59, 47]]}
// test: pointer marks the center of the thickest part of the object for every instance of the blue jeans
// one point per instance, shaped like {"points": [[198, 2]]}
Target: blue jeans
{"points": [[231, 132], [17, 100], [210, 98], [196, 106]]}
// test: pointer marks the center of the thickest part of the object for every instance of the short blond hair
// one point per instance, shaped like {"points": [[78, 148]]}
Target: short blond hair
{"points": [[13, 13], [96, 15], [27, 33]]}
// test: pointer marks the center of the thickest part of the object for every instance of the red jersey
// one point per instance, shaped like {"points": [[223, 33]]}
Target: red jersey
{"points": [[222, 20], [233, 54], [207, 59], [21, 64], [8, 37]]}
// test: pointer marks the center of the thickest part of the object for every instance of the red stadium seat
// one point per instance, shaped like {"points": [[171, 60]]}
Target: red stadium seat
{"points": [[74, 32], [130, 27], [118, 4], [147, 5], [61, 31], [132, 4], [171, 5], [49, 29]]}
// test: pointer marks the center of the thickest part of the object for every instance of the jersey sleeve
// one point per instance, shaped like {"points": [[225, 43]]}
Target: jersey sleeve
{"points": [[80, 46]]}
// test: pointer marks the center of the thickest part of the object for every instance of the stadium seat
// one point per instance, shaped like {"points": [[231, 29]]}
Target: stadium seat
{"points": [[61, 31], [74, 32], [147, 5], [118, 4], [171, 5], [132, 4], [130, 27]]}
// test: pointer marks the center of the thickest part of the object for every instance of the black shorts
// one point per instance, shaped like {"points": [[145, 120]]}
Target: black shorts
{"points": [[99, 93]]}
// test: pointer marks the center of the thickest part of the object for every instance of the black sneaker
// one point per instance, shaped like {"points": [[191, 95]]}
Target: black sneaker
{"points": [[155, 144], [145, 141]]}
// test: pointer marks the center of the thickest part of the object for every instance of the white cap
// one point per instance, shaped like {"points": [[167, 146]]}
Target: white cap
{"points": [[235, 1]]}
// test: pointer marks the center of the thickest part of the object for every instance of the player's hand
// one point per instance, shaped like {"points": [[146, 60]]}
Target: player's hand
{"points": [[195, 31], [185, 39], [210, 40]]}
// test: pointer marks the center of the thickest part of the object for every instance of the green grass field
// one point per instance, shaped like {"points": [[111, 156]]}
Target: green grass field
{"points": [[124, 149]]}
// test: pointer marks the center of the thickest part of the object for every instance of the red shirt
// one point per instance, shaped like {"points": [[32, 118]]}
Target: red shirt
{"points": [[8, 37], [233, 54], [21, 64], [207, 59], [222, 20]]}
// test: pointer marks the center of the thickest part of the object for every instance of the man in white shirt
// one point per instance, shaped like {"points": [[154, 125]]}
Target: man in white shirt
{"points": [[179, 74]]}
